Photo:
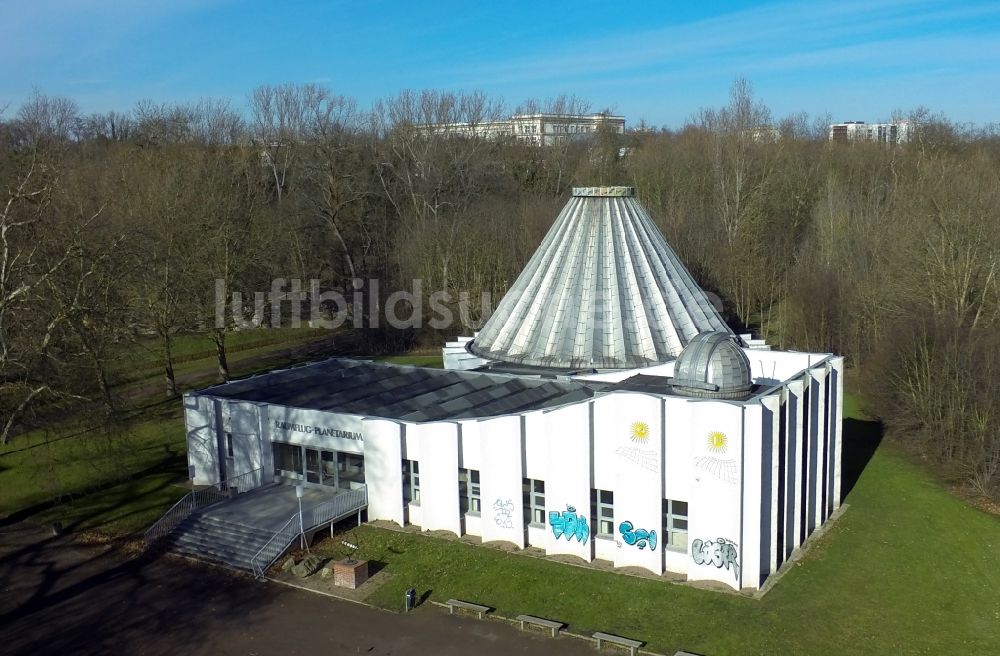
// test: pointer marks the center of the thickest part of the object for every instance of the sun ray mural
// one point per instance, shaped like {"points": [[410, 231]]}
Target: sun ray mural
{"points": [[717, 442], [640, 432], [646, 458], [724, 469]]}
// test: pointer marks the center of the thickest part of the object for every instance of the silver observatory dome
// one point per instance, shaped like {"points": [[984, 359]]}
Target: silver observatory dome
{"points": [[713, 366]]}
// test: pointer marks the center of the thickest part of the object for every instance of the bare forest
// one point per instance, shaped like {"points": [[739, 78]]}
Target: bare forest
{"points": [[116, 227]]}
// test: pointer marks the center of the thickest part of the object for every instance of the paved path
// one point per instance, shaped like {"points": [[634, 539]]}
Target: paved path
{"points": [[59, 597]]}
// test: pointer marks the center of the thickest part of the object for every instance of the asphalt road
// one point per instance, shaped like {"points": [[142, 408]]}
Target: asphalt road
{"points": [[61, 597]]}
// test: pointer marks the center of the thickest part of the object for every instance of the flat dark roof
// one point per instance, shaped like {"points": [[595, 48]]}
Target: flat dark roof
{"points": [[402, 392]]}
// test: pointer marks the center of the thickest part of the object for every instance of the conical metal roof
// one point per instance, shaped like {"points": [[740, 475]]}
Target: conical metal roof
{"points": [[603, 291]]}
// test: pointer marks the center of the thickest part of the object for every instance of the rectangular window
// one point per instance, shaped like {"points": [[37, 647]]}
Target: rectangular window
{"points": [[229, 444], [468, 491], [675, 524], [533, 495], [350, 470], [602, 512], [328, 468], [411, 482], [287, 460]]}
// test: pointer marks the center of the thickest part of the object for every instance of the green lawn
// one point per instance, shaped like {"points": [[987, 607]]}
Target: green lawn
{"points": [[852, 408], [127, 508], [83, 468], [430, 361], [193, 351]]}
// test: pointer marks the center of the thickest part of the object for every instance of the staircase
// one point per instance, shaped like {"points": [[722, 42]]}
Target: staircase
{"points": [[210, 538], [250, 526]]}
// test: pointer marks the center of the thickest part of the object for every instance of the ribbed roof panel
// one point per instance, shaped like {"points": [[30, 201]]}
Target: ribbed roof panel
{"points": [[604, 290]]}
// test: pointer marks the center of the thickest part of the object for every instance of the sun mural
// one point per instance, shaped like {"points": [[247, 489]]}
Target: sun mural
{"points": [[640, 432], [717, 442]]}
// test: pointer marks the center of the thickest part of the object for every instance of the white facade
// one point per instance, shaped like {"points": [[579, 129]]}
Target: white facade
{"points": [[535, 129], [745, 482], [886, 133]]}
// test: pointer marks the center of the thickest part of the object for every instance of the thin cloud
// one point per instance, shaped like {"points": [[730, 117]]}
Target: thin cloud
{"points": [[751, 36]]}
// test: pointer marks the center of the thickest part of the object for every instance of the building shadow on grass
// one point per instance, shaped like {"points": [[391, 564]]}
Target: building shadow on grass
{"points": [[860, 441]]}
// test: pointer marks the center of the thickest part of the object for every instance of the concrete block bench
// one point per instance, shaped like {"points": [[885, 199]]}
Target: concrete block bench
{"points": [[628, 643], [552, 625], [452, 604]]}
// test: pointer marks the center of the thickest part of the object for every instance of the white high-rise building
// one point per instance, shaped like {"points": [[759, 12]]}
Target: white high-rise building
{"points": [[898, 132], [537, 129]]}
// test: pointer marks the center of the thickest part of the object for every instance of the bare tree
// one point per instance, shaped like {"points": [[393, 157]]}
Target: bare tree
{"points": [[31, 327], [430, 178]]}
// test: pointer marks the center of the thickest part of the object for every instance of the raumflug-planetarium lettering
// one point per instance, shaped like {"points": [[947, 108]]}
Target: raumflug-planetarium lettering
{"points": [[317, 430]]}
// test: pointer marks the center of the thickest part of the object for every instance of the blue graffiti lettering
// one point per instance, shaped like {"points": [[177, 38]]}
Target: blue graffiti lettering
{"points": [[637, 537], [569, 525]]}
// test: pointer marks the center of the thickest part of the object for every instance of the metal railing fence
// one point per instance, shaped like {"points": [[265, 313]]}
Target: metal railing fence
{"points": [[339, 506], [202, 498]]}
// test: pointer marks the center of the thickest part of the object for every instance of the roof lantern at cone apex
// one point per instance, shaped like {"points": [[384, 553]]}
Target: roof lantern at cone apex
{"points": [[604, 290]]}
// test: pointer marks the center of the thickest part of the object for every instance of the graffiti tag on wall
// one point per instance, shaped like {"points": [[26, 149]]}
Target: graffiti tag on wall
{"points": [[569, 525], [720, 553], [637, 537], [503, 513]]}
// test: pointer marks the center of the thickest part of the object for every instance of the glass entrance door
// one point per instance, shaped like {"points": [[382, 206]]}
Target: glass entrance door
{"points": [[321, 467], [318, 467], [328, 466], [313, 472]]}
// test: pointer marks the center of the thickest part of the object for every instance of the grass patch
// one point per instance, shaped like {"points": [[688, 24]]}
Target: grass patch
{"points": [[63, 464], [126, 508], [853, 407], [145, 353], [194, 351], [431, 361]]}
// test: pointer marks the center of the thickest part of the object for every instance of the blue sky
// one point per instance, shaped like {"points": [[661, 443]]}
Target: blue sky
{"points": [[660, 61]]}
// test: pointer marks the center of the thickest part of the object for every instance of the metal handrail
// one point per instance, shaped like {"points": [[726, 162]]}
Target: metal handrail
{"points": [[196, 499], [275, 546], [341, 505], [170, 519]]}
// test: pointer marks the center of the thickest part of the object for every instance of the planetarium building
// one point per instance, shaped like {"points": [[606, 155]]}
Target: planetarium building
{"points": [[604, 411]]}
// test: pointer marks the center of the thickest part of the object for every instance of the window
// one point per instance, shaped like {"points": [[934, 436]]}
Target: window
{"points": [[533, 493], [602, 510], [468, 491], [229, 444], [675, 524], [411, 482], [328, 468], [287, 460], [350, 470]]}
